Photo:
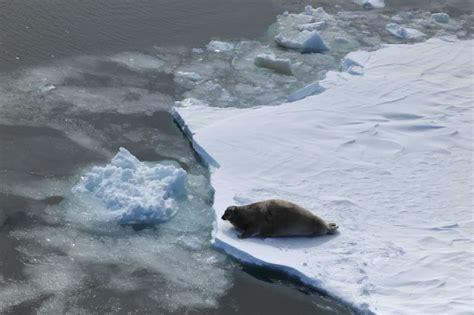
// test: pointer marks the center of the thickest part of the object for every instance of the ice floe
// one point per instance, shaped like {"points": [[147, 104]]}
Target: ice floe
{"points": [[271, 62], [387, 155], [134, 192]]}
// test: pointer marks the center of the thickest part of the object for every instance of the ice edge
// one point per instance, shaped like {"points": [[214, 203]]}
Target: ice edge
{"points": [[244, 256]]}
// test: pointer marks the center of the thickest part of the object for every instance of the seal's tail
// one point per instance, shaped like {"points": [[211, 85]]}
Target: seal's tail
{"points": [[332, 228]]}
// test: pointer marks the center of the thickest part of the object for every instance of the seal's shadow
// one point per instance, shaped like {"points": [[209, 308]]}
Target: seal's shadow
{"points": [[293, 242]]}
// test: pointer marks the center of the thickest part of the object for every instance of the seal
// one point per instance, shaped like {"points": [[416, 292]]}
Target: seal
{"points": [[273, 218]]}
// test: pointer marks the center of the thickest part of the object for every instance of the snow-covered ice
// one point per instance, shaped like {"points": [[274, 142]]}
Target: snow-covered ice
{"points": [[269, 61], [387, 155], [134, 192]]}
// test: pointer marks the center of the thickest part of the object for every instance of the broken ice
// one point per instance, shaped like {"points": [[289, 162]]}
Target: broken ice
{"points": [[134, 192]]}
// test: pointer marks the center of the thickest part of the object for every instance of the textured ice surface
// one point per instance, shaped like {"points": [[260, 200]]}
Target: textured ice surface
{"points": [[387, 155], [134, 192]]}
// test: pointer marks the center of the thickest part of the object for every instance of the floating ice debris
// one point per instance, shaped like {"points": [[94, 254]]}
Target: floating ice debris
{"points": [[311, 89], [305, 42], [134, 192], [403, 32], [350, 66], [192, 76], [370, 4], [269, 61], [218, 46], [47, 88], [440, 17]]}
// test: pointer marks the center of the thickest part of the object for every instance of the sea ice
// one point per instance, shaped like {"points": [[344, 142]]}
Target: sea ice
{"points": [[134, 192], [403, 32], [310, 89], [305, 42], [386, 155], [271, 62], [440, 17]]}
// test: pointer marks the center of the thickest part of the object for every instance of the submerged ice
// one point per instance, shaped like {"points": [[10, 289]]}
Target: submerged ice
{"points": [[134, 192]]}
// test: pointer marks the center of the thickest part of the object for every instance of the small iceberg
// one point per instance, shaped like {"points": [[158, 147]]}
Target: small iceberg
{"points": [[271, 62], [134, 192], [305, 42]]}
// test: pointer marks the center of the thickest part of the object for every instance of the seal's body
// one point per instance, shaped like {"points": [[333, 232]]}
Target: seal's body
{"points": [[275, 217]]}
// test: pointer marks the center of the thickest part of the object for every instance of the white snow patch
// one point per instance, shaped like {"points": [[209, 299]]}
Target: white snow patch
{"points": [[133, 191], [386, 155]]}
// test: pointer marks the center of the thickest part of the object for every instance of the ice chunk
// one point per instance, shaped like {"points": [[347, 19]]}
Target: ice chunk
{"points": [[305, 42], [311, 89], [403, 32], [134, 192], [192, 76], [350, 66], [370, 4], [308, 10], [218, 46], [440, 17], [269, 61]]}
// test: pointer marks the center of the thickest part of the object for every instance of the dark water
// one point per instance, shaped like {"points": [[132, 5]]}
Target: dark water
{"points": [[47, 139], [37, 31]]}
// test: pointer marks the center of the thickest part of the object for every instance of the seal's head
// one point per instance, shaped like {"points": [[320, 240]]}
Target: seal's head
{"points": [[229, 213]]}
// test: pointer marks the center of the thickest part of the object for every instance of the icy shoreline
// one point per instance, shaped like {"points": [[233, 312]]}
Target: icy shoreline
{"points": [[386, 153]]}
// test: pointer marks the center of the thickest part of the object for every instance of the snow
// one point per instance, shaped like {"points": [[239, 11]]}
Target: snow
{"points": [[387, 155], [403, 32], [134, 192], [269, 61]]}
